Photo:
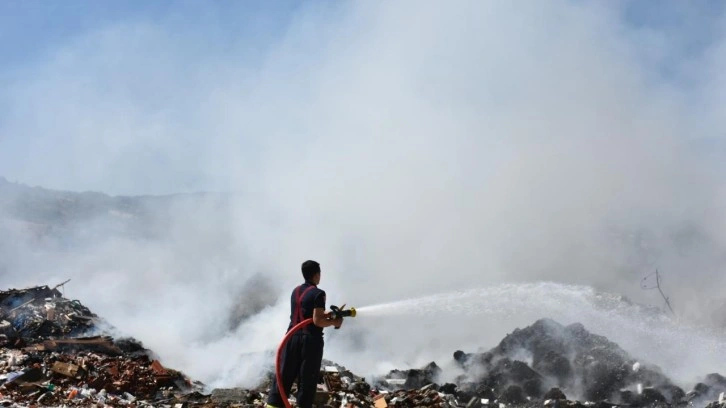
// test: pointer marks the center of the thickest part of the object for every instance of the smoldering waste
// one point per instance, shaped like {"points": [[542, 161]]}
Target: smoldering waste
{"points": [[48, 357], [51, 354], [566, 366]]}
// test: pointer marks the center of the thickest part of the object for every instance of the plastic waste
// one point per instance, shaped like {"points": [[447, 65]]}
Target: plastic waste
{"points": [[50, 311], [10, 377]]}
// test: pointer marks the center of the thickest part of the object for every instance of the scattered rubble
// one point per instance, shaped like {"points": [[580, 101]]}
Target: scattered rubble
{"points": [[49, 358], [562, 361], [52, 353], [38, 313]]}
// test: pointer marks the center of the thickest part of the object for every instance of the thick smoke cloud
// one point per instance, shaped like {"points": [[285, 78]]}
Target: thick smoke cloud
{"points": [[411, 149]]}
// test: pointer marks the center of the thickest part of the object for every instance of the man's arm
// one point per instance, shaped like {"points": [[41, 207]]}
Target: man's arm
{"points": [[322, 319]]}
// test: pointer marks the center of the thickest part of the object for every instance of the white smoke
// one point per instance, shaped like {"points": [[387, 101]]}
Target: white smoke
{"points": [[410, 149]]}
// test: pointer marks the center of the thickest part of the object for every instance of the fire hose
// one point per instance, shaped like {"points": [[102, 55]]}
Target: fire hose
{"points": [[334, 314]]}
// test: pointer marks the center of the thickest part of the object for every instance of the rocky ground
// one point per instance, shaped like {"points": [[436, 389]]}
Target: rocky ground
{"points": [[51, 355]]}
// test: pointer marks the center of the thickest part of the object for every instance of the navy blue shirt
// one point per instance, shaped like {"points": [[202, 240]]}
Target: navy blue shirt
{"points": [[313, 298]]}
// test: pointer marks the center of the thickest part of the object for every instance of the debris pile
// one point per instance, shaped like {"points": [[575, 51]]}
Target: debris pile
{"points": [[543, 365], [565, 357], [49, 357], [30, 315], [339, 387], [53, 352], [547, 364]]}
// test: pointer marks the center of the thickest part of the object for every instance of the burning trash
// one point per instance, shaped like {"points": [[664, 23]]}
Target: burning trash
{"points": [[48, 356], [55, 352]]}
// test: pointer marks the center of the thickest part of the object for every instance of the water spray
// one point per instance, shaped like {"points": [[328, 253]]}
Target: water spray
{"points": [[509, 305], [335, 312]]}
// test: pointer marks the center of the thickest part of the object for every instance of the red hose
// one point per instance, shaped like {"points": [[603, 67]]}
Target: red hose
{"points": [[278, 374]]}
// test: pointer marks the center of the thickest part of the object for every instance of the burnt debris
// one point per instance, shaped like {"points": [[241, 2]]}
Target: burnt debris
{"points": [[50, 355], [56, 352]]}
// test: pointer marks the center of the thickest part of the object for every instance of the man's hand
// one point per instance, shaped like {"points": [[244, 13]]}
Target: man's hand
{"points": [[321, 318], [337, 322]]}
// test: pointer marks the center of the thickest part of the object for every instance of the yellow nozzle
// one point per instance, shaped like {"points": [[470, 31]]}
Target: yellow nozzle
{"points": [[342, 311]]}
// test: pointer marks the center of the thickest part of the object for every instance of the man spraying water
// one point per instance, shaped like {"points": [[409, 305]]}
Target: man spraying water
{"points": [[301, 352]]}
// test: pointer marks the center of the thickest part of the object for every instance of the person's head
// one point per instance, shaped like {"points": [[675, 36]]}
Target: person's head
{"points": [[311, 272]]}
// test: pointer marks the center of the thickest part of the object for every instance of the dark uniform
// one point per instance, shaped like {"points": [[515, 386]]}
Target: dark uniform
{"points": [[303, 353]]}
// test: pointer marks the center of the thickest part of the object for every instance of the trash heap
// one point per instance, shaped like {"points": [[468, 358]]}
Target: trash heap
{"points": [[53, 353], [49, 356], [339, 387], [566, 366], [31, 315]]}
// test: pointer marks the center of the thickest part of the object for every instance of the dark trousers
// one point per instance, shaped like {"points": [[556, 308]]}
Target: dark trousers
{"points": [[301, 359]]}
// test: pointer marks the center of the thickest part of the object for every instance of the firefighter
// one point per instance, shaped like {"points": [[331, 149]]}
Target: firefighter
{"points": [[303, 353]]}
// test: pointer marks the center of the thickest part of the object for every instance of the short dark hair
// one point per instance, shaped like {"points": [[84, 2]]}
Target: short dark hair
{"points": [[309, 269]]}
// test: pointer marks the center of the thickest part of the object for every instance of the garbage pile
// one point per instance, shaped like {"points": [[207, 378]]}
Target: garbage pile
{"points": [[565, 362], [568, 358], [339, 387], [53, 352], [566, 366], [48, 357], [30, 315]]}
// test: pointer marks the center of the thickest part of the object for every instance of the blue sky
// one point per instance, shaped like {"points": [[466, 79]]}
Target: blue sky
{"points": [[30, 28], [33, 27], [186, 34], [139, 72]]}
